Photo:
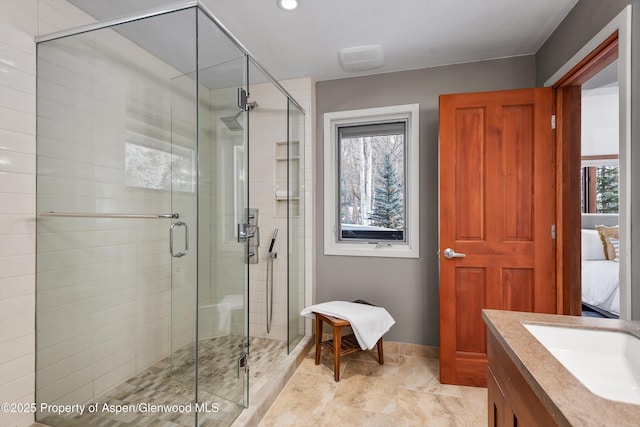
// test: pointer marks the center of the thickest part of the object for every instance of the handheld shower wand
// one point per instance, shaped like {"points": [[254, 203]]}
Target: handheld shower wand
{"points": [[273, 239], [270, 256]]}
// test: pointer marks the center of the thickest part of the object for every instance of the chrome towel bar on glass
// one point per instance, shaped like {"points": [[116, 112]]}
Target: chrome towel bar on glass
{"points": [[109, 215]]}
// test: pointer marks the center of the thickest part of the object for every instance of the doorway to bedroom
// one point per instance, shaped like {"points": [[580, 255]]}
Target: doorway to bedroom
{"points": [[593, 139], [599, 194]]}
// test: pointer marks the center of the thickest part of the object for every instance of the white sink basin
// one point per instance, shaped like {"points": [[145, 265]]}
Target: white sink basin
{"points": [[606, 362]]}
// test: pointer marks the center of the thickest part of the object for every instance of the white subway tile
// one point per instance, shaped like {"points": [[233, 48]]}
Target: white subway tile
{"points": [[16, 327], [51, 68], [78, 329], [13, 266], [20, 387], [77, 135], [66, 385], [17, 141], [63, 186], [16, 347], [47, 203], [58, 370], [48, 166], [84, 394], [14, 161], [45, 28], [72, 115], [59, 349], [66, 259], [114, 377], [13, 245], [112, 338], [17, 79], [18, 38], [58, 94], [64, 295], [60, 316], [62, 14], [15, 204], [15, 307], [16, 58], [17, 183], [21, 14], [18, 419], [15, 100], [16, 286], [116, 358]]}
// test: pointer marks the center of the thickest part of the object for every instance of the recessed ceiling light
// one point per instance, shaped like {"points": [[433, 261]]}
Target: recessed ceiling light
{"points": [[287, 4]]}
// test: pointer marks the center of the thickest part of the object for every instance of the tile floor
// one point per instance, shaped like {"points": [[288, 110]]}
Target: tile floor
{"points": [[170, 381], [405, 391]]}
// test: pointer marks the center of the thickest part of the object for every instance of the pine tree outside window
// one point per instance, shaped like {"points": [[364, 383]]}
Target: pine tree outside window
{"points": [[371, 179]]}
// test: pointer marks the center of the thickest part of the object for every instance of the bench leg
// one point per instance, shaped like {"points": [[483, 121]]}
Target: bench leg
{"points": [[380, 352], [337, 346], [318, 338]]}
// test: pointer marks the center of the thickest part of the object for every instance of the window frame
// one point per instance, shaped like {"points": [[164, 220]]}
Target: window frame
{"points": [[333, 245], [588, 183]]}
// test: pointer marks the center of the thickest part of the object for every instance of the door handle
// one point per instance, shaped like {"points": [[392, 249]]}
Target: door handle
{"points": [[450, 253], [186, 239]]}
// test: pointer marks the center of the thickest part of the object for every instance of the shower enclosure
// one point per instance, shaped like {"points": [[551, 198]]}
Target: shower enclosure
{"points": [[153, 189]]}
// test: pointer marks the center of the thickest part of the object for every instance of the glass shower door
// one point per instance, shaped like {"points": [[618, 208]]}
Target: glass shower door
{"points": [[224, 229], [209, 332]]}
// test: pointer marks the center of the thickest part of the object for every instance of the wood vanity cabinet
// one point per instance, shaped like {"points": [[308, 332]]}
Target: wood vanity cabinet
{"points": [[512, 402]]}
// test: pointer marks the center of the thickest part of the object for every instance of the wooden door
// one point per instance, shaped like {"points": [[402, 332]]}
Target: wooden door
{"points": [[497, 206]]}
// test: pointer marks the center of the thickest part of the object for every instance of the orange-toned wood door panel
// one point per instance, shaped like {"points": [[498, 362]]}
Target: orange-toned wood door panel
{"points": [[497, 207]]}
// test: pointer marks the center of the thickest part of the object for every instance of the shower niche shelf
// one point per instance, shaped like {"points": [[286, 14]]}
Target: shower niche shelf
{"points": [[287, 188]]}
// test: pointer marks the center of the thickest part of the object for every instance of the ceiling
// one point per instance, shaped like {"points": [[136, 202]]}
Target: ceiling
{"points": [[413, 33]]}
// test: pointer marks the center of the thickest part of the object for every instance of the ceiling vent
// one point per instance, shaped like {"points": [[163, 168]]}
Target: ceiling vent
{"points": [[360, 58]]}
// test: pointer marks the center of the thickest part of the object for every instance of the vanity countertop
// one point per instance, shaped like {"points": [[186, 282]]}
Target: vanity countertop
{"points": [[566, 398]]}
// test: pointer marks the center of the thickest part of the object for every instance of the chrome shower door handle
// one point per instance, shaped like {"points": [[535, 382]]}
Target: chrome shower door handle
{"points": [[450, 253], [186, 239]]}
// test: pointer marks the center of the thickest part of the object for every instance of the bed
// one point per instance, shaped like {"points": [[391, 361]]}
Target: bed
{"points": [[600, 275]]}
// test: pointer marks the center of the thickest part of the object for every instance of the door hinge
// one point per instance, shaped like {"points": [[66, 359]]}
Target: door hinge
{"points": [[243, 364], [242, 99], [553, 121], [553, 231]]}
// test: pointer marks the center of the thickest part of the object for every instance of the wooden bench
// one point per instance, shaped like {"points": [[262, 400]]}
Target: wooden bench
{"points": [[339, 345]]}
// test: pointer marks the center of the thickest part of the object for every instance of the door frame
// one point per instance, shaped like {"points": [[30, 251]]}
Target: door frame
{"points": [[583, 65]]}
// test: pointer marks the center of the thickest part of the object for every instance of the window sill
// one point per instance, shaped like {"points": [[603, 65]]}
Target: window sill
{"points": [[383, 249]]}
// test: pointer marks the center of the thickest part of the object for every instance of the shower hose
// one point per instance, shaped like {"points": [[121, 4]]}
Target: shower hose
{"points": [[269, 290]]}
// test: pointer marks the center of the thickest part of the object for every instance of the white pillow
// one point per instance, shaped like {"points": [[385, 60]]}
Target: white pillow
{"points": [[592, 245]]}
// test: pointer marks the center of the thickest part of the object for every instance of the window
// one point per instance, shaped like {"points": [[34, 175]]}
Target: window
{"points": [[371, 182], [600, 186]]}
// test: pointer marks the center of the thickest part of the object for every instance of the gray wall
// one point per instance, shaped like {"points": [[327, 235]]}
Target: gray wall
{"points": [[586, 19], [407, 288]]}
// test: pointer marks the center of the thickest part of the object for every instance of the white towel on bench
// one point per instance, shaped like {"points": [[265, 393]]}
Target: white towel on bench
{"points": [[368, 322]]}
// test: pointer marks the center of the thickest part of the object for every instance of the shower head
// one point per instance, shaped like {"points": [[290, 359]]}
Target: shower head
{"points": [[232, 123]]}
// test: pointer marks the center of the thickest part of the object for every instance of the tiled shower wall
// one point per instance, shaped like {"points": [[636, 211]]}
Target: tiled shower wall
{"points": [[270, 119], [20, 21]]}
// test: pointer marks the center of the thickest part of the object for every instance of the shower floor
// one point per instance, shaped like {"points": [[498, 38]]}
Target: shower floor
{"points": [[156, 385]]}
